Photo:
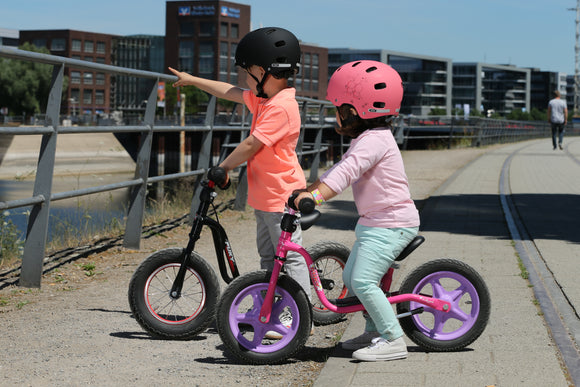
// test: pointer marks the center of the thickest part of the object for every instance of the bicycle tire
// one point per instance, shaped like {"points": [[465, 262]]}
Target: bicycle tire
{"points": [[468, 294], [164, 316], [238, 322], [329, 259]]}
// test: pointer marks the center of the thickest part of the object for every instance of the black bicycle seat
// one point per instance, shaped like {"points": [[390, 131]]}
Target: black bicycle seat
{"points": [[410, 247]]}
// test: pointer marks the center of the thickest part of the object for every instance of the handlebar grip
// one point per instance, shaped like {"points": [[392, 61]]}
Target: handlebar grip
{"points": [[219, 176], [306, 205]]}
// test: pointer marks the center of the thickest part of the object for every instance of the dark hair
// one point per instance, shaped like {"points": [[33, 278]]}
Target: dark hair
{"points": [[353, 126]]}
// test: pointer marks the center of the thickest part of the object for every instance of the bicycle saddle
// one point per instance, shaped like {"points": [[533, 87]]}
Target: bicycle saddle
{"points": [[410, 247]]}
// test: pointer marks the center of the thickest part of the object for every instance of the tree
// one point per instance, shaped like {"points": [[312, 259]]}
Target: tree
{"points": [[25, 85], [195, 99], [539, 115], [518, 115], [438, 112]]}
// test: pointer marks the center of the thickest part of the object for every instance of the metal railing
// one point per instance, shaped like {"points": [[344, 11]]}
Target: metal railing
{"points": [[43, 195], [316, 117]]}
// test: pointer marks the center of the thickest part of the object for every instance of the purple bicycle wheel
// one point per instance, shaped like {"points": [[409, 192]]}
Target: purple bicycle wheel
{"points": [[245, 325], [465, 306]]}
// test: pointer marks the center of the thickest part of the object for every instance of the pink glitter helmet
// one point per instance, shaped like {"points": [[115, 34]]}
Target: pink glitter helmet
{"points": [[374, 89]]}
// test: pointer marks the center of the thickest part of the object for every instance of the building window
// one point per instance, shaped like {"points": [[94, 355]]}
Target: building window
{"points": [[89, 46], [315, 85], [75, 77], [100, 60], [186, 56], [58, 44], [206, 29], [88, 78], [224, 30], [76, 45], [87, 97], [100, 97], [100, 79], [40, 43], [224, 49], [235, 31], [186, 29], [101, 47], [75, 96], [223, 61], [206, 59]]}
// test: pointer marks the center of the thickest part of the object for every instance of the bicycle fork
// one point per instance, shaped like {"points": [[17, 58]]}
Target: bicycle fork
{"points": [[284, 245]]}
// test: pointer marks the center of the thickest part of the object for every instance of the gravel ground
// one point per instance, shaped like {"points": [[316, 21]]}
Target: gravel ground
{"points": [[77, 329]]}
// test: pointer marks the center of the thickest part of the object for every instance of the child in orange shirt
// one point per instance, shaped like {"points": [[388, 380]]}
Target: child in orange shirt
{"points": [[269, 56]]}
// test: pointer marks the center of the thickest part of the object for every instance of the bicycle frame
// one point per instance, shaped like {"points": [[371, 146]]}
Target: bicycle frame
{"points": [[222, 245], [285, 244]]}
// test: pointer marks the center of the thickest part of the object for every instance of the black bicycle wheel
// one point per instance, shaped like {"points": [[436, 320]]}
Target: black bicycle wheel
{"points": [[167, 317], [239, 325], [329, 259], [463, 288]]}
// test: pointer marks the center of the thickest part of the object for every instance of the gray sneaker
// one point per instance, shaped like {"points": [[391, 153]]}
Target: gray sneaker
{"points": [[381, 349], [361, 341]]}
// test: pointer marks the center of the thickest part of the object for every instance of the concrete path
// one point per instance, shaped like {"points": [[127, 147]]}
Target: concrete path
{"points": [[464, 219]]}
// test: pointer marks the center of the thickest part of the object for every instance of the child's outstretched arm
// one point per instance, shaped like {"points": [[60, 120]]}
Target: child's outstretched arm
{"points": [[243, 152], [219, 89]]}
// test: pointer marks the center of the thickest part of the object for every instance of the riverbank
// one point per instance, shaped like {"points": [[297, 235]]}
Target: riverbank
{"points": [[76, 154]]}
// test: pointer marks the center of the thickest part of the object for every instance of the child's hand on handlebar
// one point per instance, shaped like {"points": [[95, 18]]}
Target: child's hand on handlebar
{"points": [[219, 176], [302, 195]]}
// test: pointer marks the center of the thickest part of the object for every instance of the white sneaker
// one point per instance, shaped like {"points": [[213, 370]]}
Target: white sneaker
{"points": [[381, 349], [361, 341], [286, 320]]}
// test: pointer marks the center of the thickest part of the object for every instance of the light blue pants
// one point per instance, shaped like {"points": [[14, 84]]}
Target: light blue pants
{"points": [[268, 233], [374, 251]]}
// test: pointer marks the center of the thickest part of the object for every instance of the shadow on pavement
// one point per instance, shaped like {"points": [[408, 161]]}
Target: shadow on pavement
{"points": [[546, 216]]}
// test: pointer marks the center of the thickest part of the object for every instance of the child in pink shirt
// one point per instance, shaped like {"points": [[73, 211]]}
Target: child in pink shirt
{"points": [[269, 56], [368, 95]]}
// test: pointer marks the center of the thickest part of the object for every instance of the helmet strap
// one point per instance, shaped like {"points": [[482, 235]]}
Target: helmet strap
{"points": [[260, 84]]}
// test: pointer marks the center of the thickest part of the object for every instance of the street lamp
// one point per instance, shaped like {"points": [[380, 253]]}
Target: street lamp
{"points": [[577, 64], [73, 102]]}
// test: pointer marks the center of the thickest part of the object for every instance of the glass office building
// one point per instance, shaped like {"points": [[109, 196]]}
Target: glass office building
{"points": [[427, 80], [491, 88]]}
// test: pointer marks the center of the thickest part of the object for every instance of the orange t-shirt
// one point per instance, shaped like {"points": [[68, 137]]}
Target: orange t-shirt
{"points": [[274, 172]]}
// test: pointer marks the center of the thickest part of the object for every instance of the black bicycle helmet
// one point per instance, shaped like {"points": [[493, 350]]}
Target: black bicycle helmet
{"points": [[274, 49]]}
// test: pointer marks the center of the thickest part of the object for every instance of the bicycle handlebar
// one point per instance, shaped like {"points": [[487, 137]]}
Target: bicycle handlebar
{"points": [[219, 176], [305, 206]]}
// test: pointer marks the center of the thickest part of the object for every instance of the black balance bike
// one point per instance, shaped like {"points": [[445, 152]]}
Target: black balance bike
{"points": [[174, 292]]}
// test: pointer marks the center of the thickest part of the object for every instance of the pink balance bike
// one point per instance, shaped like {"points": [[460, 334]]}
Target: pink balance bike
{"points": [[443, 305]]}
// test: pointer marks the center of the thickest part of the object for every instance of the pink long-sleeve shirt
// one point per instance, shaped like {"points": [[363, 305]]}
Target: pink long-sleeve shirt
{"points": [[374, 167]]}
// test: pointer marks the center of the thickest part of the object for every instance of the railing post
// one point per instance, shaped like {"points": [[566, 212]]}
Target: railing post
{"points": [[37, 230], [317, 146], [204, 154], [300, 144], [138, 195]]}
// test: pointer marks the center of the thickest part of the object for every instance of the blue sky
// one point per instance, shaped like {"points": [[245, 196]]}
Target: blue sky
{"points": [[532, 33]]}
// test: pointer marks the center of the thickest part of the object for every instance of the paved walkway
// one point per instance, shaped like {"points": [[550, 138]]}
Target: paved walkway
{"points": [[464, 219]]}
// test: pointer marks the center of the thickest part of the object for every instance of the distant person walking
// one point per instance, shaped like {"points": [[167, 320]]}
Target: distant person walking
{"points": [[558, 118]]}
